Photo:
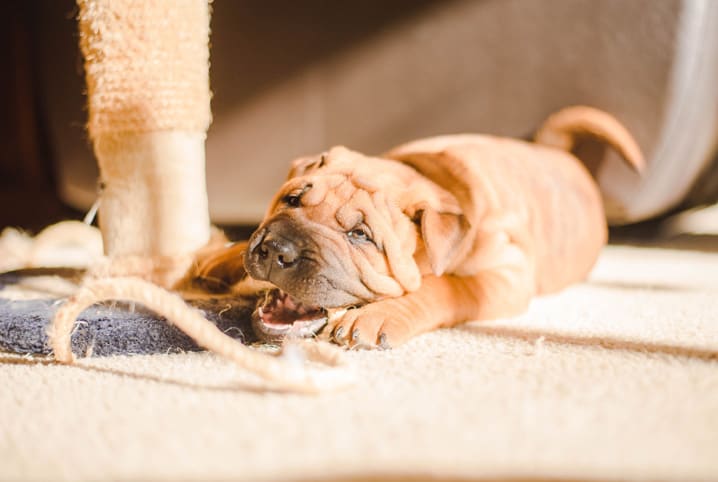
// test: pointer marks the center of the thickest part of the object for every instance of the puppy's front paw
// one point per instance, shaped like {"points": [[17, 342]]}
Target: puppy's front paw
{"points": [[377, 325]]}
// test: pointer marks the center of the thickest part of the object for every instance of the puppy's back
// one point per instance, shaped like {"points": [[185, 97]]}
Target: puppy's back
{"points": [[542, 197]]}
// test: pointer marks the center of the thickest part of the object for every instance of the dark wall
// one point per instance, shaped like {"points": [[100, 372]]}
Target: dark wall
{"points": [[28, 196]]}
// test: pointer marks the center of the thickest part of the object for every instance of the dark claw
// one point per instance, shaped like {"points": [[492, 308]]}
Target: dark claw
{"points": [[383, 343], [338, 333], [355, 334]]}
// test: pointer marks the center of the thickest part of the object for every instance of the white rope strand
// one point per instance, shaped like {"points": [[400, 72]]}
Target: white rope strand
{"points": [[280, 372]]}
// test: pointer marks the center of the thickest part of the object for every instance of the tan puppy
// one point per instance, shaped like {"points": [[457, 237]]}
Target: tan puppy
{"points": [[435, 232]]}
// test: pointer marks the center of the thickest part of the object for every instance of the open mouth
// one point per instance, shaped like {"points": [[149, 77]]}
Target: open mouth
{"points": [[279, 316]]}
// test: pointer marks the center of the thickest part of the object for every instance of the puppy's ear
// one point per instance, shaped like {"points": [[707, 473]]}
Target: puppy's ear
{"points": [[303, 165], [442, 233], [446, 207]]}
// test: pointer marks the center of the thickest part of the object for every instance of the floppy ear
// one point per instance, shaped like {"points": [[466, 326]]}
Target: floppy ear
{"points": [[303, 165], [447, 210], [442, 233]]}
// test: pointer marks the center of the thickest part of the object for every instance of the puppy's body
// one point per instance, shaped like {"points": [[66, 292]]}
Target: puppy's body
{"points": [[438, 231], [538, 200]]}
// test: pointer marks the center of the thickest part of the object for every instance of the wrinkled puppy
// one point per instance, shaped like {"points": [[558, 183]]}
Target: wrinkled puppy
{"points": [[433, 233]]}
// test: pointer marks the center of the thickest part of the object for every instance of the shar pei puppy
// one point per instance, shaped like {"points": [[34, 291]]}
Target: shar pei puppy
{"points": [[435, 232]]}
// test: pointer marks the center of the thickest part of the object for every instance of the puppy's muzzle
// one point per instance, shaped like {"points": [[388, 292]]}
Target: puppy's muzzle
{"points": [[274, 251]]}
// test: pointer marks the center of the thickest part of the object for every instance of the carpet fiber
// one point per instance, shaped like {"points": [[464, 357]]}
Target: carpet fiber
{"points": [[616, 378]]}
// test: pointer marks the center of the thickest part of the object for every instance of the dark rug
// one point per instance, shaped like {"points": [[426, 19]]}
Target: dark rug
{"points": [[114, 328]]}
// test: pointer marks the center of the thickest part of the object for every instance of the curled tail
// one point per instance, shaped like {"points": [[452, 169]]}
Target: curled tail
{"points": [[562, 129]]}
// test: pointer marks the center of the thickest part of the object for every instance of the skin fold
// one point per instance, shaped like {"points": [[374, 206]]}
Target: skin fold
{"points": [[435, 232]]}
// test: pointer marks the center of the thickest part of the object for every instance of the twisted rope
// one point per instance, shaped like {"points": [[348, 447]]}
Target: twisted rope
{"points": [[287, 372]]}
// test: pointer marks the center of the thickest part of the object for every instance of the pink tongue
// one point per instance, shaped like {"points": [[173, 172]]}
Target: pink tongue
{"points": [[285, 310], [290, 304]]}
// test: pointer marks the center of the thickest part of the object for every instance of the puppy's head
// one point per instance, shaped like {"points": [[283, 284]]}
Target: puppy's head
{"points": [[347, 229]]}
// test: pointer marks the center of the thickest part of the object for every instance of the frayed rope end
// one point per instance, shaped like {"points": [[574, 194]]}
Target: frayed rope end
{"points": [[286, 373]]}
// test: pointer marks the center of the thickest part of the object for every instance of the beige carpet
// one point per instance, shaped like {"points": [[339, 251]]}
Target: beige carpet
{"points": [[613, 379]]}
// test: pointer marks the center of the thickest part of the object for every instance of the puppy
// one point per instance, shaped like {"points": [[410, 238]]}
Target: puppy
{"points": [[433, 233]]}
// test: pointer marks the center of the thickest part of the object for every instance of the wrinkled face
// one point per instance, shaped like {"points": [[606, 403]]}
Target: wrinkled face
{"points": [[335, 234]]}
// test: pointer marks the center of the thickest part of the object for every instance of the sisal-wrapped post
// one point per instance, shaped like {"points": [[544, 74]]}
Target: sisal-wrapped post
{"points": [[147, 70]]}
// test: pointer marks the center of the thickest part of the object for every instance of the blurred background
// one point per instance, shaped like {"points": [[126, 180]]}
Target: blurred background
{"points": [[295, 77]]}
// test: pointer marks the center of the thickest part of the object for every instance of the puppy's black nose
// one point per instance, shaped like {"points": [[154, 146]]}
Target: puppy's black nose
{"points": [[279, 251], [269, 250]]}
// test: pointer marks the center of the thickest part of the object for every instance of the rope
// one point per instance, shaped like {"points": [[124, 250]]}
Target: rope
{"points": [[285, 373]]}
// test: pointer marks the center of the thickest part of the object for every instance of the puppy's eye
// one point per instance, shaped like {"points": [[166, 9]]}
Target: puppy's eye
{"points": [[292, 200], [359, 234]]}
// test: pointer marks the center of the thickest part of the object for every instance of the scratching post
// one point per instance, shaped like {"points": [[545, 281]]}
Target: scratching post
{"points": [[146, 65]]}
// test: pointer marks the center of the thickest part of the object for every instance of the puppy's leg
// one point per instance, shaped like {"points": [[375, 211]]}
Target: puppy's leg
{"points": [[218, 267], [441, 301]]}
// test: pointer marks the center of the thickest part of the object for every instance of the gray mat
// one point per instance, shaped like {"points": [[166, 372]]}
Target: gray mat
{"points": [[114, 328]]}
